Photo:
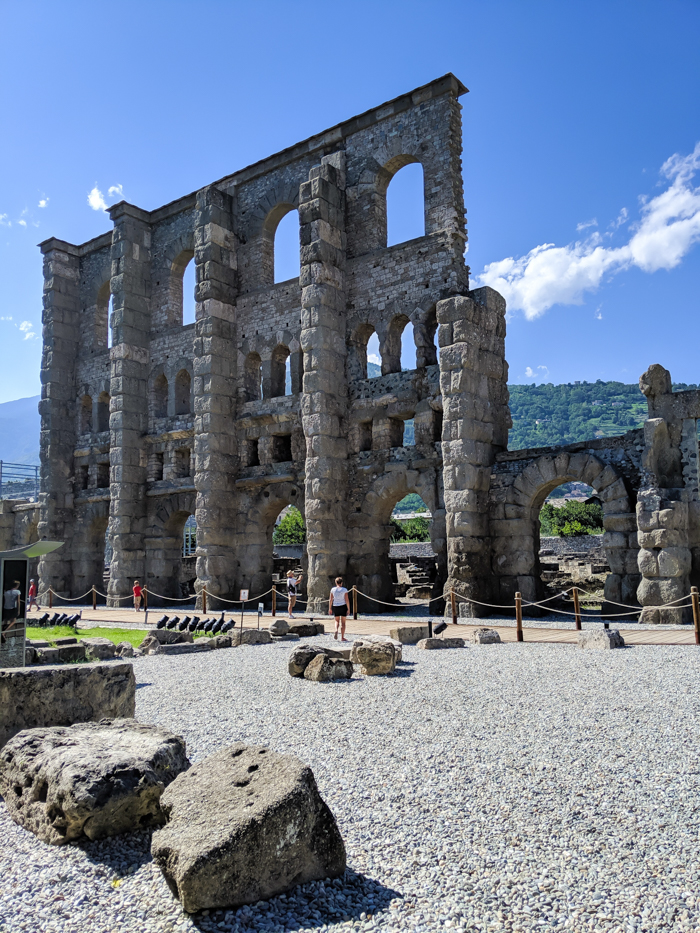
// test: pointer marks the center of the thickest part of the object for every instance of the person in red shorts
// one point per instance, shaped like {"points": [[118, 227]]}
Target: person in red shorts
{"points": [[31, 596], [138, 590]]}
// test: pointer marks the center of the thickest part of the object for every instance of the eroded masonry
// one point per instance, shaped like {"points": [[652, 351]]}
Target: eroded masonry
{"points": [[265, 400]]}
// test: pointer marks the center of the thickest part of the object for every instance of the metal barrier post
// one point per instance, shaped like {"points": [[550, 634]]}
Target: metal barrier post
{"points": [[94, 598], [453, 604], [577, 611], [354, 602], [518, 617], [696, 612], [204, 600], [274, 600]]}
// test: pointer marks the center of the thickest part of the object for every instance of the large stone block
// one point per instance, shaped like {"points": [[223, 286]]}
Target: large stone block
{"points": [[89, 780], [269, 831], [603, 639], [62, 696], [409, 634]]}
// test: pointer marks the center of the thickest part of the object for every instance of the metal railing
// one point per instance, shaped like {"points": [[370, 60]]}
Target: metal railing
{"points": [[19, 481]]}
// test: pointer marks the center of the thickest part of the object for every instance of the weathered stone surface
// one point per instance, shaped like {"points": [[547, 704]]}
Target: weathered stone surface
{"points": [[302, 655], [221, 641], [99, 649], [307, 629], [409, 634], [486, 636], [48, 656], [75, 652], [374, 657], [268, 832], [601, 638], [290, 636], [435, 644], [61, 696], [29, 654], [167, 637], [380, 640], [151, 645], [89, 780], [250, 636], [68, 640], [278, 627], [322, 669], [125, 649]]}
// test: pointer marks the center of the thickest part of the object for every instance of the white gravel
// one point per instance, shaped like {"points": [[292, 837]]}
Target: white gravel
{"points": [[507, 787]]}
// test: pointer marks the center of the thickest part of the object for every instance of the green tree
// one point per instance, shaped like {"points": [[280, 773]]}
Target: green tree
{"points": [[291, 529], [574, 518], [415, 529]]}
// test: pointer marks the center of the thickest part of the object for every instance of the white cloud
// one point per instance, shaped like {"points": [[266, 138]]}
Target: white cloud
{"points": [[27, 329], [6, 318], [22, 223], [621, 219], [96, 200], [588, 223], [549, 274], [530, 373], [374, 358], [598, 313], [44, 202], [4, 222], [115, 191]]}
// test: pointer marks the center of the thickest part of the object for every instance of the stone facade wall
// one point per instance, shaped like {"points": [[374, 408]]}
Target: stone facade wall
{"points": [[265, 401]]}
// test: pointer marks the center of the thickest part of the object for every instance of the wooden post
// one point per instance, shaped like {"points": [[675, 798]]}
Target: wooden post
{"points": [[94, 598], [696, 612], [50, 598], [453, 603], [204, 600], [144, 593], [354, 602], [518, 617], [274, 600], [577, 610]]}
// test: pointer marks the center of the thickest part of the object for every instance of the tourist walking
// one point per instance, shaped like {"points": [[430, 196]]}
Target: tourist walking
{"points": [[293, 580], [10, 608], [138, 590], [31, 596], [339, 606]]}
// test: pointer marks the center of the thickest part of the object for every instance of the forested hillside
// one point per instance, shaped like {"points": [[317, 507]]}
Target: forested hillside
{"points": [[545, 415]]}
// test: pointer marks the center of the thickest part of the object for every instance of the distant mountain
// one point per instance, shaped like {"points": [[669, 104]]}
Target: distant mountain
{"points": [[19, 430], [373, 369]]}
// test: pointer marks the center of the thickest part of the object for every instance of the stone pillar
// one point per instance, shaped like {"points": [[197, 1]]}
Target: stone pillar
{"points": [[473, 383], [215, 447], [662, 506], [61, 325], [128, 420], [325, 394]]}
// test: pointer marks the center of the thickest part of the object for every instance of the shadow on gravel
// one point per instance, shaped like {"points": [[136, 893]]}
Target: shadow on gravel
{"points": [[309, 906], [123, 854], [138, 686]]}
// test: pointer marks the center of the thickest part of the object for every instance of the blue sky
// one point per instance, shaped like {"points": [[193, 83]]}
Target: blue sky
{"points": [[580, 131]]}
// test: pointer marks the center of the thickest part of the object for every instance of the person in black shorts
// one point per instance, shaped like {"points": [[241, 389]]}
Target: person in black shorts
{"points": [[339, 606], [10, 609], [293, 580]]}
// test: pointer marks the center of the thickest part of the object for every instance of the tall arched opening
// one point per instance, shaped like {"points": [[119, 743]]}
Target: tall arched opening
{"points": [[89, 550], [171, 543]]}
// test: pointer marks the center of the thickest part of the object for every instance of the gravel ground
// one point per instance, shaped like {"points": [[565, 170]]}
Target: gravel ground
{"points": [[507, 787]]}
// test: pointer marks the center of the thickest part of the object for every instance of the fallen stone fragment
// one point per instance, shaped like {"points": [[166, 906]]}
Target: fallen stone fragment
{"points": [[435, 644], [125, 649], [604, 639], [307, 629], [278, 627], [302, 656], [68, 640], [323, 669], [244, 825], [37, 643], [486, 636], [290, 636], [150, 645], [375, 658], [409, 634], [168, 637], [381, 640], [99, 649], [89, 780], [72, 653], [220, 641], [250, 636], [48, 656], [29, 654]]}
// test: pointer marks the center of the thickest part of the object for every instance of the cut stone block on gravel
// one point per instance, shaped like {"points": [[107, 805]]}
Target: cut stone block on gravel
{"points": [[61, 696], [376, 658], [245, 825], [486, 636], [307, 629], [250, 636], [220, 641], [125, 649], [72, 653], [48, 656], [290, 636], [89, 780], [278, 627], [68, 640], [167, 637], [435, 644], [603, 639], [302, 656], [323, 669], [409, 634], [99, 649], [380, 640]]}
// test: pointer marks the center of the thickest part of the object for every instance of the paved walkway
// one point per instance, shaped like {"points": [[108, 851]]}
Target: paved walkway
{"points": [[534, 630]]}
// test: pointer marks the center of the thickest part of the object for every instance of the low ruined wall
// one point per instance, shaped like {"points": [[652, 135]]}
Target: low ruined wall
{"points": [[61, 696]]}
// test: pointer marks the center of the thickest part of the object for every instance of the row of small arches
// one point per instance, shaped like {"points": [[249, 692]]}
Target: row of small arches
{"points": [[95, 417]]}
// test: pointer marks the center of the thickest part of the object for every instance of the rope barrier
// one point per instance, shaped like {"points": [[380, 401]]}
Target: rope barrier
{"points": [[239, 602], [68, 599], [173, 599]]}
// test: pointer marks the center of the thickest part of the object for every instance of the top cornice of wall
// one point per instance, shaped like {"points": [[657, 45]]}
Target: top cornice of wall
{"points": [[330, 138]]}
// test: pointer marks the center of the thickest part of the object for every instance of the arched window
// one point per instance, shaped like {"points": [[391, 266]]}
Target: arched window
{"points": [[408, 348], [189, 281], [363, 354], [286, 247], [103, 412], [86, 414], [160, 397], [253, 377], [392, 350], [405, 205], [278, 373], [183, 382]]}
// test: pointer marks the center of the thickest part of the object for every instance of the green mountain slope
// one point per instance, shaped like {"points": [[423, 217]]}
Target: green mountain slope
{"points": [[546, 415]]}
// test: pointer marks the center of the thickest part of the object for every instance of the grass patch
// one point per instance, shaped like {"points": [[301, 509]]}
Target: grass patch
{"points": [[51, 633]]}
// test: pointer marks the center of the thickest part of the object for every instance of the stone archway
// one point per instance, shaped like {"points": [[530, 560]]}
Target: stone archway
{"points": [[515, 524], [163, 544], [369, 531], [88, 564]]}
